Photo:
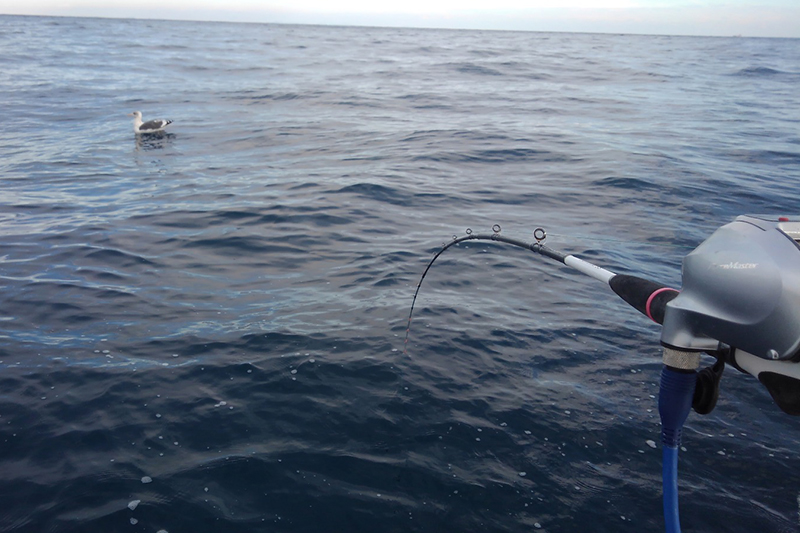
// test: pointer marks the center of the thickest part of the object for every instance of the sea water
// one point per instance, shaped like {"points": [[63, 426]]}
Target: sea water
{"points": [[203, 331]]}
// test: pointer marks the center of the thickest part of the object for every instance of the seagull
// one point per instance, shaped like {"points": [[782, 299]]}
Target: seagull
{"points": [[151, 126]]}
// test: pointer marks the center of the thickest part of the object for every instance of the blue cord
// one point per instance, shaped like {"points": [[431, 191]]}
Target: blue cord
{"points": [[670, 477], [674, 404]]}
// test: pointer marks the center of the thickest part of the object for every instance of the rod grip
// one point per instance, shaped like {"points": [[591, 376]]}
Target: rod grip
{"points": [[647, 297]]}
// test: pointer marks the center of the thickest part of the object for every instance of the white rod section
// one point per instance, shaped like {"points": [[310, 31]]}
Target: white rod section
{"points": [[589, 269]]}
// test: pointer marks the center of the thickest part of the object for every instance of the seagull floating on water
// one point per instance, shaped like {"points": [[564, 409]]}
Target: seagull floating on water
{"points": [[151, 126]]}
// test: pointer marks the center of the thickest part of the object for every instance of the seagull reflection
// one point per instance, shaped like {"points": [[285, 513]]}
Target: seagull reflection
{"points": [[154, 141]]}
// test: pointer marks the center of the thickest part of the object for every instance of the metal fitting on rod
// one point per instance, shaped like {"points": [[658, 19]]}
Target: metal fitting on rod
{"points": [[681, 360]]}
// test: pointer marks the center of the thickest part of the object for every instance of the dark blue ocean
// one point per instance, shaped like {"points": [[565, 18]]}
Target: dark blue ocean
{"points": [[203, 331]]}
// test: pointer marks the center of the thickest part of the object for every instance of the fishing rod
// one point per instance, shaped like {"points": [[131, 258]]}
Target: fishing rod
{"points": [[739, 303], [634, 290]]}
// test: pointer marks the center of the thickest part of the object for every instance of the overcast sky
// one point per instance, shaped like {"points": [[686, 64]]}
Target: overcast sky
{"points": [[767, 18]]}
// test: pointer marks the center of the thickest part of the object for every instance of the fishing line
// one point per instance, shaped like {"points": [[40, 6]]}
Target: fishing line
{"points": [[539, 235]]}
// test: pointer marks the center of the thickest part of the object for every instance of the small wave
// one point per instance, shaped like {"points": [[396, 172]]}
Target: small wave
{"points": [[631, 184], [107, 256], [354, 102], [281, 96], [766, 157], [377, 192], [320, 220], [755, 72], [255, 97], [472, 68], [243, 246], [495, 156]]}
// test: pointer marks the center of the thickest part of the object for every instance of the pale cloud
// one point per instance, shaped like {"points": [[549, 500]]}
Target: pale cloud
{"points": [[440, 6], [326, 6], [770, 18]]}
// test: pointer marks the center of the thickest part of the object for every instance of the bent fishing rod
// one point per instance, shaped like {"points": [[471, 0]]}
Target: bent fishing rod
{"points": [[739, 303]]}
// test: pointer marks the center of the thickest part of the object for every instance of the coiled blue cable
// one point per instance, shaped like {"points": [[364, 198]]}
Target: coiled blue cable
{"points": [[674, 403]]}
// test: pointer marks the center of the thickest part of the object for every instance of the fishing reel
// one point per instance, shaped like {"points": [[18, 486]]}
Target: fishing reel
{"points": [[740, 302]]}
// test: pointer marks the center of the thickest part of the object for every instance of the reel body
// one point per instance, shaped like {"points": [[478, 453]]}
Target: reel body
{"points": [[741, 287]]}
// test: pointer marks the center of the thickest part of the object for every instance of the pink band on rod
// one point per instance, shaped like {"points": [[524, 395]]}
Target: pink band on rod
{"points": [[650, 300]]}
